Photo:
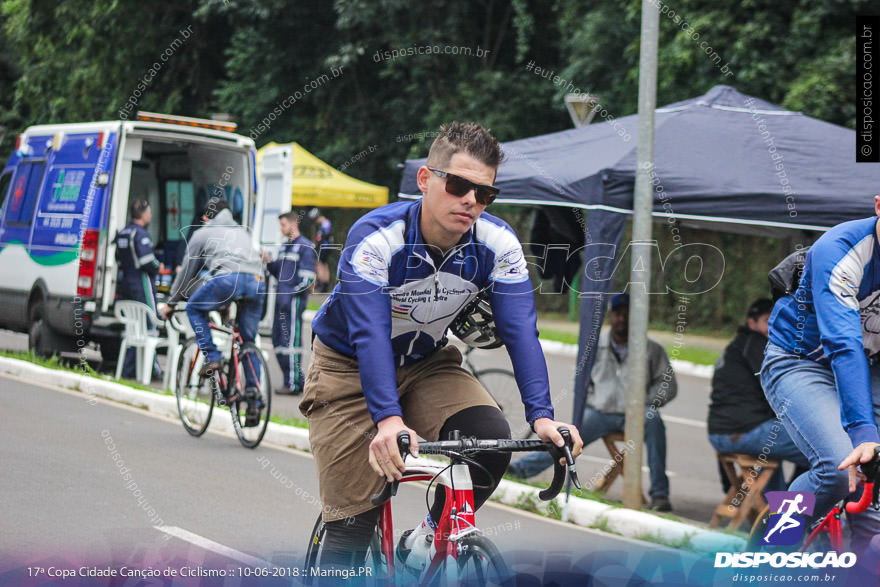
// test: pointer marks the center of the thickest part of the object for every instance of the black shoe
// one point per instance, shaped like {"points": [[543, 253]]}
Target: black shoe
{"points": [[401, 552], [208, 369], [661, 504], [254, 406]]}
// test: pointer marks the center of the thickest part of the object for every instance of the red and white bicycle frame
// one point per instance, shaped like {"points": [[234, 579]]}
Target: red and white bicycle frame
{"points": [[456, 521]]}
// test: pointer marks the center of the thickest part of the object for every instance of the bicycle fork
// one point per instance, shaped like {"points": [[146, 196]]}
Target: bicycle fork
{"points": [[456, 522]]}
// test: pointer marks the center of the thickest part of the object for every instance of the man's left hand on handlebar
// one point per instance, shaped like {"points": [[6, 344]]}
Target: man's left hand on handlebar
{"points": [[546, 429], [385, 458], [860, 454]]}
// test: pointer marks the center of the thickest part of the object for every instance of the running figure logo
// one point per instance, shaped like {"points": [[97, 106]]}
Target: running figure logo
{"points": [[787, 518]]}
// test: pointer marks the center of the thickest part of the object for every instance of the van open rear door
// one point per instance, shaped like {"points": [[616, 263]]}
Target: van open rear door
{"points": [[275, 185], [275, 188]]}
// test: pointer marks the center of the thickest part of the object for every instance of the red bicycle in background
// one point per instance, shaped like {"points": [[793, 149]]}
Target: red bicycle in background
{"points": [[828, 533], [459, 554]]}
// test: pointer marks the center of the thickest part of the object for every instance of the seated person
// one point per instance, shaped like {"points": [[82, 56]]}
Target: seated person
{"points": [[740, 418], [606, 402]]}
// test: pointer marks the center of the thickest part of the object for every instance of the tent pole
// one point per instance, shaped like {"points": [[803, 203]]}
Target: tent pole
{"points": [[640, 273]]}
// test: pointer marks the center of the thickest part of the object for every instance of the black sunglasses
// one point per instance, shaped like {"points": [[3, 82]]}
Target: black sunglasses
{"points": [[459, 186]]}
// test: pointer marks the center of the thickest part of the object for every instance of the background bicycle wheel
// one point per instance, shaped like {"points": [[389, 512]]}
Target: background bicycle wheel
{"points": [[501, 385], [195, 396]]}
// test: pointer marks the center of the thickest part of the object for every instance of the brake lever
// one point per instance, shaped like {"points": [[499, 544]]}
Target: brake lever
{"points": [[403, 443], [569, 458], [389, 490]]}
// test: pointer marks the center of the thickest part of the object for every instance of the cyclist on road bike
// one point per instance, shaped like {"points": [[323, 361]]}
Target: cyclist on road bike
{"points": [[223, 248], [380, 364], [821, 361]]}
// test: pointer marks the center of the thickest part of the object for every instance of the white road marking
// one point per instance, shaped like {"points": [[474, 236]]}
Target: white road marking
{"points": [[685, 421], [216, 547]]}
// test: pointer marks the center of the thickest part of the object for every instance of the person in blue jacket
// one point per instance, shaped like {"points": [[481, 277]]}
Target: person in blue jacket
{"points": [[295, 271], [820, 371], [137, 267], [380, 364]]}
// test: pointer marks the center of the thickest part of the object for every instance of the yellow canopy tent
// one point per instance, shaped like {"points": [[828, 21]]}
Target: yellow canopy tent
{"points": [[316, 183]]}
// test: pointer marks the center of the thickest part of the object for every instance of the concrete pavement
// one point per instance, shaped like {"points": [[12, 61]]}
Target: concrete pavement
{"points": [[581, 511]]}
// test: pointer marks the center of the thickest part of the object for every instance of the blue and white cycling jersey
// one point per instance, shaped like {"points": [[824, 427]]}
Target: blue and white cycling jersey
{"points": [[393, 302], [834, 317]]}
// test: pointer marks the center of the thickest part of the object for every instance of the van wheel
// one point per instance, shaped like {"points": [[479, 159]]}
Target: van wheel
{"points": [[43, 341]]}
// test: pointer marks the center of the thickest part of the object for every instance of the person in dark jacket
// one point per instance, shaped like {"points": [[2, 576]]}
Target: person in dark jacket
{"points": [[137, 267], [295, 271], [740, 418]]}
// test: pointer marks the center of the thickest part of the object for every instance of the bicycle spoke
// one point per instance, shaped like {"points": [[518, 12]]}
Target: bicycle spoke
{"points": [[252, 398], [195, 398]]}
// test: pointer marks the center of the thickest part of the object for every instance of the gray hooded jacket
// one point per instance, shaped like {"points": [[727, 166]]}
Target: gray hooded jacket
{"points": [[221, 246], [608, 383]]}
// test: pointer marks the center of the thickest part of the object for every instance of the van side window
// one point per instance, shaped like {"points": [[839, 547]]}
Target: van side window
{"points": [[25, 191], [5, 180]]}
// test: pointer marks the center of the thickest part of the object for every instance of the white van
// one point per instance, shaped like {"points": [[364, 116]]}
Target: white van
{"points": [[64, 195]]}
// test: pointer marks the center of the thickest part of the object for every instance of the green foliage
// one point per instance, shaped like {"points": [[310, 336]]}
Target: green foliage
{"points": [[554, 510], [797, 54], [528, 502], [601, 524], [76, 60]]}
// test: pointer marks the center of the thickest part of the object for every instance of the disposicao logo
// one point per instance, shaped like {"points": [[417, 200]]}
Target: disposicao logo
{"points": [[785, 527], [788, 512]]}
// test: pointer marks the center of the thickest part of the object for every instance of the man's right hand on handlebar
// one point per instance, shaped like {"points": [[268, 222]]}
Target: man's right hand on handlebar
{"points": [[165, 310], [385, 457], [860, 454], [547, 430]]}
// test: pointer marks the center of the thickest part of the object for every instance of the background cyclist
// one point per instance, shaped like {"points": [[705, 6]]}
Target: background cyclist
{"points": [[380, 364], [222, 247], [821, 361]]}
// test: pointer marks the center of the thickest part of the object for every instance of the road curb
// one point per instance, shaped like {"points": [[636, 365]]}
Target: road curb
{"points": [[580, 511]]}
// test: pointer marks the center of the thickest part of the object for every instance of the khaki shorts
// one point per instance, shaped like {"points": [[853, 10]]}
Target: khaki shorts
{"points": [[341, 429]]}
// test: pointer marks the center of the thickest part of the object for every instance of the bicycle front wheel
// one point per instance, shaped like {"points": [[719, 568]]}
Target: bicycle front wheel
{"points": [[501, 385], [374, 558], [251, 395], [195, 397], [480, 563]]}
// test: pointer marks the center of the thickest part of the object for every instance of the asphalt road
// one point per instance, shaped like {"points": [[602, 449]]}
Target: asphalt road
{"points": [[691, 465], [104, 485]]}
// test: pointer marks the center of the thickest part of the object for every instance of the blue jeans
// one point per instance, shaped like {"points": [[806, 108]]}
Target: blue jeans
{"points": [[804, 396], [768, 438], [597, 424], [219, 291]]}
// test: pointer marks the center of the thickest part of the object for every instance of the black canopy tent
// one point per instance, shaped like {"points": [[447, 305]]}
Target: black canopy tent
{"points": [[723, 160]]}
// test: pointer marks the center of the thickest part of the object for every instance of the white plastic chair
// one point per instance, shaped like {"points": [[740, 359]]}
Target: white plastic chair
{"points": [[139, 336]]}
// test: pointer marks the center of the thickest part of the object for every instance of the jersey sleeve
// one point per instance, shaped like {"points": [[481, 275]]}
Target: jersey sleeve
{"points": [[513, 307], [274, 267], [363, 280], [144, 255], [306, 266], [837, 271]]}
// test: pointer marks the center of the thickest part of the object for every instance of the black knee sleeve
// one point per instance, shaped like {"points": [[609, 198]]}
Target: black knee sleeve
{"points": [[346, 541], [481, 422]]}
